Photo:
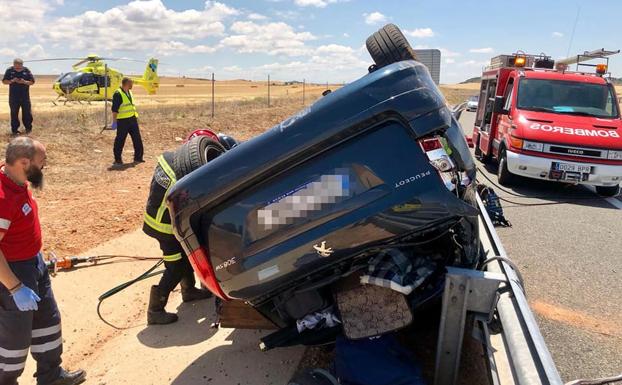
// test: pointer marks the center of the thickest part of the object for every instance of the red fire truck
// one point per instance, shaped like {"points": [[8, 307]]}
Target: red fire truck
{"points": [[541, 121]]}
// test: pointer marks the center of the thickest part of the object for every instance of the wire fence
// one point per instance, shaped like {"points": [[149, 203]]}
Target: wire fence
{"points": [[211, 90]]}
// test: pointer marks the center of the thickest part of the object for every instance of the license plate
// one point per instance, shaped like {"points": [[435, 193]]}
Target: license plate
{"points": [[568, 167]]}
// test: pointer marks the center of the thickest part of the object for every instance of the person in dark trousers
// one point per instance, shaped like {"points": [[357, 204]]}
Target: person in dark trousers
{"points": [[19, 79], [29, 316], [157, 224], [125, 121]]}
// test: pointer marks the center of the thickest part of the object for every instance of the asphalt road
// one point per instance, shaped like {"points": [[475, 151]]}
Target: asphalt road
{"points": [[569, 249]]}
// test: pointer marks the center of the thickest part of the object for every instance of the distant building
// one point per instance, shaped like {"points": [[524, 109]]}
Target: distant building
{"points": [[431, 58]]}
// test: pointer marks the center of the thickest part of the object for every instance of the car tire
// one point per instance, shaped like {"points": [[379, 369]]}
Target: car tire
{"points": [[195, 153], [608, 191], [389, 45], [505, 177]]}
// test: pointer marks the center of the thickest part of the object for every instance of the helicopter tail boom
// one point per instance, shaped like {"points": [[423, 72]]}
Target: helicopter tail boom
{"points": [[150, 79]]}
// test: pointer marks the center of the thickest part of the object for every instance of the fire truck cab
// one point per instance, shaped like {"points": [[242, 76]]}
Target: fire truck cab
{"points": [[542, 122]]}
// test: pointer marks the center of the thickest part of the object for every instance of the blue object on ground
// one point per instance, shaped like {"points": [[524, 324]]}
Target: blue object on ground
{"points": [[376, 361]]}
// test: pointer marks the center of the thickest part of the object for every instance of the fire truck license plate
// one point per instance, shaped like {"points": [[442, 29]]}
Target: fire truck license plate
{"points": [[567, 167]]}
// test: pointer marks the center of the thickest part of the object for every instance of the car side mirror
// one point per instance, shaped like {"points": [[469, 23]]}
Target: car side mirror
{"points": [[498, 106]]}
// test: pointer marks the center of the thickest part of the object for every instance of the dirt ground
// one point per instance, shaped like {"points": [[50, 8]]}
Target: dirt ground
{"points": [[186, 353]]}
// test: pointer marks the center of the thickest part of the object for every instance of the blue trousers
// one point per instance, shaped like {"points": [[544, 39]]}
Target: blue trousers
{"points": [[38, 331]]}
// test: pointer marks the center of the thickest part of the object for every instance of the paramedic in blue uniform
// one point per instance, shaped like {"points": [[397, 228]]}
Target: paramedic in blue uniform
{"points": [[29, 316], [19, 79]]}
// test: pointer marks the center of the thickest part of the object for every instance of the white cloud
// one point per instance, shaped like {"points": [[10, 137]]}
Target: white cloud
{"points": [[481, 50], [8, 52], [449, 53], [288, 15], [256, 16], [332, 62], [233, 68], [419, 32], [201, 70], [21, 18], [472, 63], [345, 34], [314, 3], [557, 34], [144, 24], [34, 52], [450, 61], [175, 47], [271, 38], [374, 18], [421, 46]]}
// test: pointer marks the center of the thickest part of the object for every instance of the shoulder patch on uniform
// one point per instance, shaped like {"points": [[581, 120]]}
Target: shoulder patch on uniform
{"points": [[161, 178], [26, 209]]}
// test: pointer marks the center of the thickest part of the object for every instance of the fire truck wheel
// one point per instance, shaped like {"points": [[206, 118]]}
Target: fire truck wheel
{"points": [[608, 191], [504, 175], [388, 45], [195, 153]]}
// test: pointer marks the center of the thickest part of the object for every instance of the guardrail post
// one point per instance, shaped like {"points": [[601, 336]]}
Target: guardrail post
{"points": [[465, 291]]}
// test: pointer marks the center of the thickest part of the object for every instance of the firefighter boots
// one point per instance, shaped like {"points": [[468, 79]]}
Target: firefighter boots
{"points": [[189, 294], [156, 315]]}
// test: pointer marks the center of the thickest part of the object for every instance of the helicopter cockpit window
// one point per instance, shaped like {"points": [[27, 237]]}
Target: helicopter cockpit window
{"points": [[71, 79], [86, 79], [101, 81]]}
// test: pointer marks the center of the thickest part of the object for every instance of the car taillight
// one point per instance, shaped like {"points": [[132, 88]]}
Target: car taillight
{"points": [[202, 266], [434, 148]]}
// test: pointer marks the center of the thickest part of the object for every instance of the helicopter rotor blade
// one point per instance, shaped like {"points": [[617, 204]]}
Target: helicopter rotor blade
{"points": [[124, 59], [51, 59]]}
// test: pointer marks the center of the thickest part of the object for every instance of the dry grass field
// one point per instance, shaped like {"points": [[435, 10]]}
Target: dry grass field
{"points": [[172, 91]]}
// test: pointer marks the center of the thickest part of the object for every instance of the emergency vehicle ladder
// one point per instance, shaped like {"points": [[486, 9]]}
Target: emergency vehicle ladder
{"points": [[581, 58]]}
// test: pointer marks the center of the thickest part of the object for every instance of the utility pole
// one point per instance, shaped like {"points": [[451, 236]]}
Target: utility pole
{"points": [[268, 90], [212, 94], [303, 91], [105, 98]]}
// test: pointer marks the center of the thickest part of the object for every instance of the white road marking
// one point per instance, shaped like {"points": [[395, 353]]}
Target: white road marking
{"points": [[614, 201]]}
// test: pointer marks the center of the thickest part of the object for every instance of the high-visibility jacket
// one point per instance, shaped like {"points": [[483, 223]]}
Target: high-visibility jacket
{"points": [[127, 109], [157, 219]]}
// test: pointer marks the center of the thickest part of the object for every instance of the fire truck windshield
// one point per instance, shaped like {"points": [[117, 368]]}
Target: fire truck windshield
{"points": [[568, 98]]}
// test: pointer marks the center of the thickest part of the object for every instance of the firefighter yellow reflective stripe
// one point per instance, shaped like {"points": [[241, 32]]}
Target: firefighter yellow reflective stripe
{"points": [[172, 257], [171, 174], [156, 223], [127, 109], [164, 228]]}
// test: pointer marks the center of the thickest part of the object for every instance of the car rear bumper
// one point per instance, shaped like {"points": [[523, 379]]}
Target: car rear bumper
{"points": [[539, 168]]}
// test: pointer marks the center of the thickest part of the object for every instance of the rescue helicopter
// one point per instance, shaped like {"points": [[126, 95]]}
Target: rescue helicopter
{"points": [[88, 82]]}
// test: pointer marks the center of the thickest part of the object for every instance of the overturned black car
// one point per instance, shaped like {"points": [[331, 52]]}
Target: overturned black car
{"points": [[371, 186]]}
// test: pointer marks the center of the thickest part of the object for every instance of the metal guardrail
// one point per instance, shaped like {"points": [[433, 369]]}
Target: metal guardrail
{"points": [[529, 357]]}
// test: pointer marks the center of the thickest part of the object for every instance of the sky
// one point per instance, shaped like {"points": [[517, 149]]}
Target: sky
{"points": [[317, 40]]}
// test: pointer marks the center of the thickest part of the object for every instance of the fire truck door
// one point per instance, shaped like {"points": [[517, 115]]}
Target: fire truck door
{"points": [[504, 120], [485, 114]]}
